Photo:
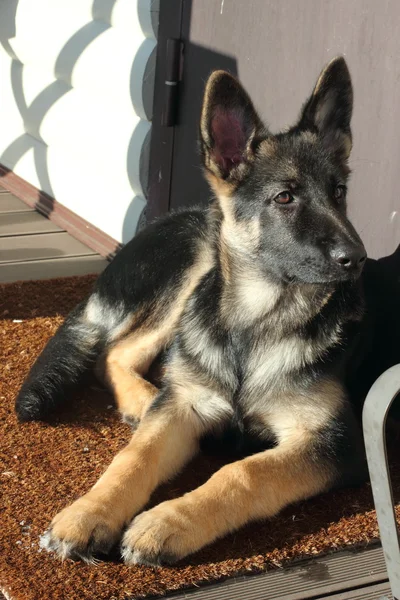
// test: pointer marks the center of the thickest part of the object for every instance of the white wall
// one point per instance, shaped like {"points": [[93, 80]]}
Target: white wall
{"points": [[76, 89]]}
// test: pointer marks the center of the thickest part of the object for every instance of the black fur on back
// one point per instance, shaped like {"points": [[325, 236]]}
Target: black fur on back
{"points": [[142, 277]]}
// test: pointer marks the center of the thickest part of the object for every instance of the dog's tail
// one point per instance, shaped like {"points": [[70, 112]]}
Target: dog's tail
{"points": [[60, 367]]}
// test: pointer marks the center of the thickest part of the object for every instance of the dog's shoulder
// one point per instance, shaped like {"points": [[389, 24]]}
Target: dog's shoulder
{"points": [[156, 259]]}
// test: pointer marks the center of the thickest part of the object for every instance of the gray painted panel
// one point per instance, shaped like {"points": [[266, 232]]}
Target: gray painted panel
{"points": [[278, 49]]}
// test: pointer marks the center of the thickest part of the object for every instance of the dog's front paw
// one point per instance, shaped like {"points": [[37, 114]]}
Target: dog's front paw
{"points": [[82, 531], [160, 536]]}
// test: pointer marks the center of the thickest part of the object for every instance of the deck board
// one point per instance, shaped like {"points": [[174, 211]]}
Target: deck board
{"points": [[373, 592], [25, 223], [26, 248], [10, 203], [51, 268], [32, 247], [325, 577]]}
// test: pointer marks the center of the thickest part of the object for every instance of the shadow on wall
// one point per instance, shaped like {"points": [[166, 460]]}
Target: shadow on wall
{"points": [[187, 172], [33, 114], [173, 172], [198, 63], [137, 160]]}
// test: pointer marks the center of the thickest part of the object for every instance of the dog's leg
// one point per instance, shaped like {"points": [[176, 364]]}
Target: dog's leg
{"points": [[254, 488], [126, 365], [165, 440], [129, 360]]}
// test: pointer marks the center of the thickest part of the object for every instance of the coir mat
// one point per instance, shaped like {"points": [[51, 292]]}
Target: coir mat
{"points": [[44, 467]]}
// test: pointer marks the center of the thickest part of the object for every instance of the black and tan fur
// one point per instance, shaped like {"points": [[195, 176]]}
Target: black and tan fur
{"points": [[259, 302]]}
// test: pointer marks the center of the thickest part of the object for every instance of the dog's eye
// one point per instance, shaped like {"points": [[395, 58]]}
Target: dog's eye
{"points": [[284, 198], [340, 193]]}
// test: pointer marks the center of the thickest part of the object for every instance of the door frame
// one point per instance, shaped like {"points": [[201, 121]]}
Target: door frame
{"points": [[162, 137]]}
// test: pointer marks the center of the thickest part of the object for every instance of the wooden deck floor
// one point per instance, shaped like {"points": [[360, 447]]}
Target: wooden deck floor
{"points": [[32, 247], [346, 575]]}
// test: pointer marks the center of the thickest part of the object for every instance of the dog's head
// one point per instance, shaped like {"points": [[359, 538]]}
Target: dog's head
{"points": [[284, 196]]}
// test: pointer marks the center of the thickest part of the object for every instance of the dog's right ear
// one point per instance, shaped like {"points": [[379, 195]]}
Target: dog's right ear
{"points": [[230, 129]]}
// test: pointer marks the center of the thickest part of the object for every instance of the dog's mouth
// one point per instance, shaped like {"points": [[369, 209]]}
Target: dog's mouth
{"points": [[329, 276]]}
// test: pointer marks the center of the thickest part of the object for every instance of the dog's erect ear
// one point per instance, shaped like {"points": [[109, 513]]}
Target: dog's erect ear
{"points": [[329, 109], [230, 129]]}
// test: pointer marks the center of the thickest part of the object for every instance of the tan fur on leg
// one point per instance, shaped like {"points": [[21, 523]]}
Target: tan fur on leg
{"points": [[162, 444], [129, 360], [126, 365], [257, 487], [253, 488]]}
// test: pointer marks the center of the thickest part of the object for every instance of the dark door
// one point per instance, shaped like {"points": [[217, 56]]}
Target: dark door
{"points": [[277, 48]]}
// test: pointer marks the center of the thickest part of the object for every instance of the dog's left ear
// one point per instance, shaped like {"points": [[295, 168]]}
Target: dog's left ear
{"points": [[230, 129], [328, 111]]}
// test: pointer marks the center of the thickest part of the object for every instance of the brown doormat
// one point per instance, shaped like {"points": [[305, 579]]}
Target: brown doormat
{"points": [[45, 467]]}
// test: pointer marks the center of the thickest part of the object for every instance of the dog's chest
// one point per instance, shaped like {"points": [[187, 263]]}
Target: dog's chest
{"points": [[254, 356], [267, 362], [255, 362]]}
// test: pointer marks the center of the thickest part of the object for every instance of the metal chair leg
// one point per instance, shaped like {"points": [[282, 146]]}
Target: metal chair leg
{"points": [[376, 407]]}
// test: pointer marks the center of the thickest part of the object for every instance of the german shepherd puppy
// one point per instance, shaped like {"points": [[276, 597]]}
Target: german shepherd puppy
{"points": [[258, 300]]}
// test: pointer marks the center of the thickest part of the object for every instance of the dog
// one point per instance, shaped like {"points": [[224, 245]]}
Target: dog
{"points": [[257, 305]]}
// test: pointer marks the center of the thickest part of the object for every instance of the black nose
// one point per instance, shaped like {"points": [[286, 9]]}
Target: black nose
{"points": [[349, 258]]}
